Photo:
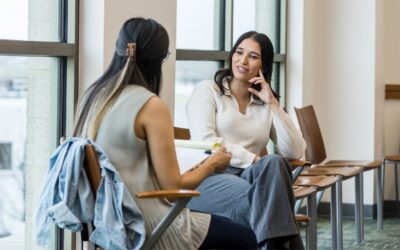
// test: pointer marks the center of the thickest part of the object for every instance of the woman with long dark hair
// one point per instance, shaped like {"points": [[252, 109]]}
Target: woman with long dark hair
{"points": [[240, 110], [122, 112]]}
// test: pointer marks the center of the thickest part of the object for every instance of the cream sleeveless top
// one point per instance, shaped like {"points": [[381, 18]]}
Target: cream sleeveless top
{"points": [[129, 154]]}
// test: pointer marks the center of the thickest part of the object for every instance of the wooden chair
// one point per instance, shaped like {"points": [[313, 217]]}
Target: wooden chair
{"points": [[315, 153], [182, 197]]}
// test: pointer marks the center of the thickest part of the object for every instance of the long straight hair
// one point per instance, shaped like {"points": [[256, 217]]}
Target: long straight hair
{"points": [[267, 59], [143, 69]]}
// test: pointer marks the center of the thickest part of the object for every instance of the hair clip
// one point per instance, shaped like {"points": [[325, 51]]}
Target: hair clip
{"points": [[131, 50]]}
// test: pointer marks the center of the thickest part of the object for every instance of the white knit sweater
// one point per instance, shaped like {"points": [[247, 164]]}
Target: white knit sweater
{"points": [[216, 117]]}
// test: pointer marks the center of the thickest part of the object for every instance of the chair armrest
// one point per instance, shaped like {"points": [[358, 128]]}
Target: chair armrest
{"points": [[298, 166], [168, 194], [299, 163]]}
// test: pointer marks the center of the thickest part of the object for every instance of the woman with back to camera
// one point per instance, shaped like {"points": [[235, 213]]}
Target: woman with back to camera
{"points": [[256, 190], [122, 112]]}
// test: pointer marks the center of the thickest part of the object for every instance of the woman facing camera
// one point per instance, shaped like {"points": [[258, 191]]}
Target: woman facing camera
{"points": [[240, 110]]}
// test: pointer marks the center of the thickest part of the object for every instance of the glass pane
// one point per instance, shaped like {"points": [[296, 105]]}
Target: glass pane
{"points": [[198, 25], [186, 79], [259, 15], [28, 88], [35, 20]]}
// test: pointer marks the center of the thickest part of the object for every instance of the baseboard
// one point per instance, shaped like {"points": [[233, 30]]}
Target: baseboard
{"points": [[370, 211], [389, 209]]}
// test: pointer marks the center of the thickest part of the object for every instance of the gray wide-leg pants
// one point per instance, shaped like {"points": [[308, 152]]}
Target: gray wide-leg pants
{"points": [[260, 197]]}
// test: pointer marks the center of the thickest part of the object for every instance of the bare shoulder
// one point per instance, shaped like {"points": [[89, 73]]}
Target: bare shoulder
{"points": [[154, 110], [155, 106], [154, 113]]}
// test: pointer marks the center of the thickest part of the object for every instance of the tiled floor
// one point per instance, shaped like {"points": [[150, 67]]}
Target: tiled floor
{"points": [[388, 238]]}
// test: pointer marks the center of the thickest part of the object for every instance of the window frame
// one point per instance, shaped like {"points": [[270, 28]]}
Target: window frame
{"points": [[5, 146]]}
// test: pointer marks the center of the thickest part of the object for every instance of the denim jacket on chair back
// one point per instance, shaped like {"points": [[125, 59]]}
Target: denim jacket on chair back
{"points": [[67, 200]]}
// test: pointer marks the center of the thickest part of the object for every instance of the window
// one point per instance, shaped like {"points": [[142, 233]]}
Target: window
{"points": [[37, 82], [199, 29], [206, 31]]}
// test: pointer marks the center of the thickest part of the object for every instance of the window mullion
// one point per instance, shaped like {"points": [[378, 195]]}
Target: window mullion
{"points": [[228, 29]]}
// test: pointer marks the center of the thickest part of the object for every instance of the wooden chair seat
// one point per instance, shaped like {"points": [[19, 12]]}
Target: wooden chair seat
{"points": [[319, 181], [366, 165], [303, 192], [299, 163], [392, 157], [345, 172]]}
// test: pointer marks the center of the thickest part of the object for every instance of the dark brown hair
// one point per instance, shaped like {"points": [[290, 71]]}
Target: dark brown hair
{"points": [[151, 43]]}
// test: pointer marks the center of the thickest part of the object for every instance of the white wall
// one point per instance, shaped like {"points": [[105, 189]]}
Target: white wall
{"points": [[339, 71], [100, 23], [391, 50], [91, 44]]}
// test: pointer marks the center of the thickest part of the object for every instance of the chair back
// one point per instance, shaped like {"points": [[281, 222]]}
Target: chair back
{"points": [[181, 133], [315, 150], [92, 168]]}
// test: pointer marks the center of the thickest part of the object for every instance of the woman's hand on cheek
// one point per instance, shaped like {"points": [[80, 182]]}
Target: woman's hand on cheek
{"points": [[265, 94]]}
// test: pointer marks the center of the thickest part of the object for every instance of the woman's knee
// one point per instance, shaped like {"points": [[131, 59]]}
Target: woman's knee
{"points": [[273, 159], [276, 161], [277, 164]]}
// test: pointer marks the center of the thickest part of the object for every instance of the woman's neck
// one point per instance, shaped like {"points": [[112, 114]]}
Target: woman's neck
{"points": [[239, 89]]}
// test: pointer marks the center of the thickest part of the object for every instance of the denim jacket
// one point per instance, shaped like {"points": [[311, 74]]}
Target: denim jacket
{"points": [[67, 201]]}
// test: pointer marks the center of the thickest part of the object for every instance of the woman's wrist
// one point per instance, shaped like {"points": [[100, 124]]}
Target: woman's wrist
{"points": [[274, 105], [207, 166]]}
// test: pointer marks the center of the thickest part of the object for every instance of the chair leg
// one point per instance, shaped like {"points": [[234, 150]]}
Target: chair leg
{"points": [[383, 177], [308, 233], [165, 222], [362, 205], [397, 189], [297, 205], [319, 196], [333, 218], [339, 231], [358, 207], [379, 199], [312, 225]]}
